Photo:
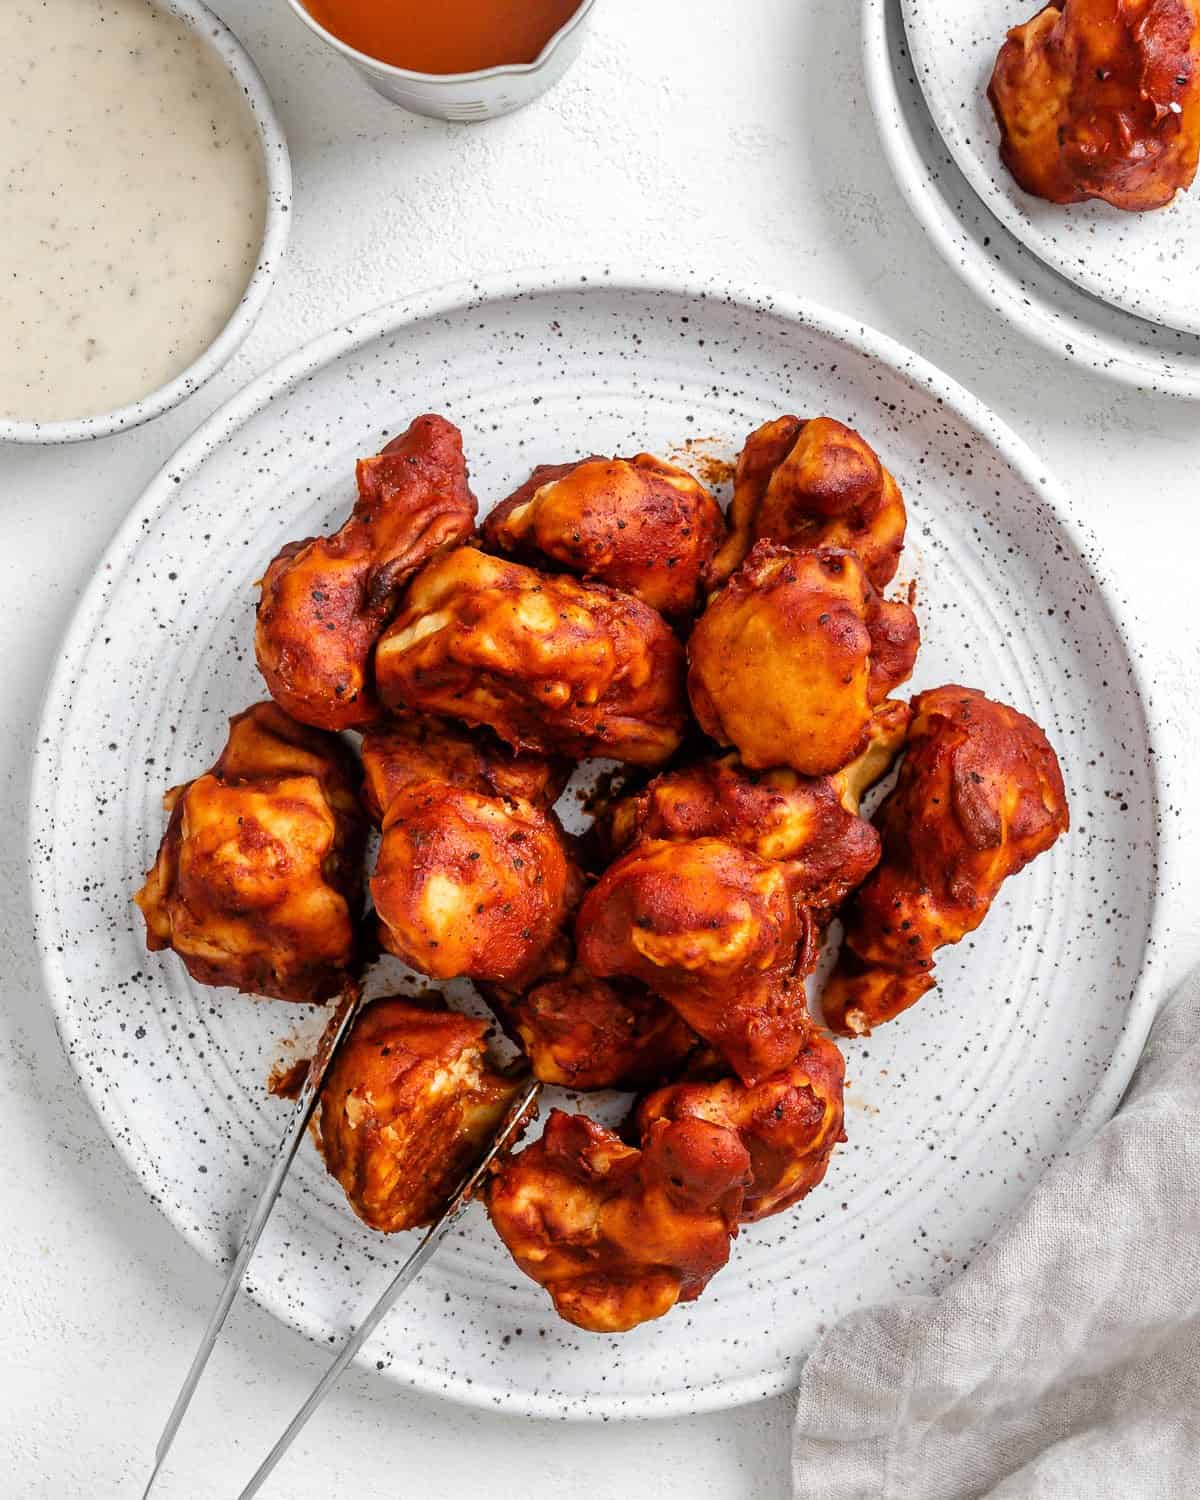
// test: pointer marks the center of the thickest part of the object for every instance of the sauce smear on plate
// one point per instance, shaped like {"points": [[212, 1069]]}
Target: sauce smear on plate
{"points": [[133, 203], [454, 36]]}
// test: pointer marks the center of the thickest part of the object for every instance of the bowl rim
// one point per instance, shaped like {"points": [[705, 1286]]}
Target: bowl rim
{"points": [[277, 175], [445, 80]]}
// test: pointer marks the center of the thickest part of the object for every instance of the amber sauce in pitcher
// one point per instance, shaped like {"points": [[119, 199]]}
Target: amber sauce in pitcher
{"points": [[451, 36]]}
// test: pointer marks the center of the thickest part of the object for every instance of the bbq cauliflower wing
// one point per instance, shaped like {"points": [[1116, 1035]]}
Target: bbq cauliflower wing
{"points": [[551, 665], [618, 1235], [638, 524], [789, 1122], [814, 483], [469, 885], [325, 601], [1101, 99], [410, 748], [408, 1107], [799, 821], [712, 928], [792, 656], [585, 1033], [258, 880], [979, 795]]}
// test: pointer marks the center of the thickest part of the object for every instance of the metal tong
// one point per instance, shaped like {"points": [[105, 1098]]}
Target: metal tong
{"points": [[335, 1033]]}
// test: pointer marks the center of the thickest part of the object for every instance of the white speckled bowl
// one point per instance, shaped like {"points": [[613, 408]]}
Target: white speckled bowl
{"points": [[953, 1111], [1146, 263], [465, 98], [1067, 321], [277, 172]]}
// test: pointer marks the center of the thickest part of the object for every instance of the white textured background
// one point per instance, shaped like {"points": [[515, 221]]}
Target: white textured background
{"points": [[730, 137]]}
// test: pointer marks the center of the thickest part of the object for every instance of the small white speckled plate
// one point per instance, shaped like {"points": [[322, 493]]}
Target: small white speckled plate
{"points": [[1010, 279], [954, 1111], [1147, 263]]}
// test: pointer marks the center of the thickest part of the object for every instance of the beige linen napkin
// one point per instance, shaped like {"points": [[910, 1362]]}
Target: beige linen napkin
{"points": [[1065, 1361]]}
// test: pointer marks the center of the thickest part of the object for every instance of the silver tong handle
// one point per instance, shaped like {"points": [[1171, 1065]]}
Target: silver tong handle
{"points": [[513, 1122]]}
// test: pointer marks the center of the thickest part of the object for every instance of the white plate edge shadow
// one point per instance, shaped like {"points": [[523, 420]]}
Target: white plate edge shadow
{"points": [[393, 317], [1020, 303]]}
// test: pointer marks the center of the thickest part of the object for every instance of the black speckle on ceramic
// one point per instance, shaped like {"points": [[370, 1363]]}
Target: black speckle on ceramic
{"points": [[1146, 263], [277, 175], [956, 1108], [1010, 279]]}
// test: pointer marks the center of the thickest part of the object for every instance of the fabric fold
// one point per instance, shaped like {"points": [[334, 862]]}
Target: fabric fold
{"points": [[1065, 1360]]}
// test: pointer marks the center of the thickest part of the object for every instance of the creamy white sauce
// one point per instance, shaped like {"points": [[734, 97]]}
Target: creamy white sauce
{"points": [[132, 203]]}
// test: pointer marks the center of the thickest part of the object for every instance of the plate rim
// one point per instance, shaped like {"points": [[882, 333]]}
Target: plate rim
{"points": [[1005, 211], [458, 295], [997, 287]]}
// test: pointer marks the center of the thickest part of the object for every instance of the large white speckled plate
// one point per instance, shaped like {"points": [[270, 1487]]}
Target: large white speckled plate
{"points": [[953, 1111], [1070, 323], [1147, 263]]}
